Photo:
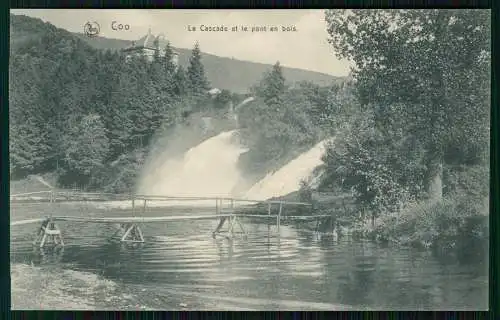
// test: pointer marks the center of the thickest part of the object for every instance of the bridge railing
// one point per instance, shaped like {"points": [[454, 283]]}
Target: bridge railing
{"points": [[224, 206], [139, 204], [59, 196]]}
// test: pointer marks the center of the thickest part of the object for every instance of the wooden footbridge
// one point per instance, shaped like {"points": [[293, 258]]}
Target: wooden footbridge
{"points": [[227, 210]]}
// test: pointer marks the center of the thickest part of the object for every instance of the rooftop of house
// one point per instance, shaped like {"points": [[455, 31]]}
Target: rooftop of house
{"points": [[214, 91], [149, 41]]}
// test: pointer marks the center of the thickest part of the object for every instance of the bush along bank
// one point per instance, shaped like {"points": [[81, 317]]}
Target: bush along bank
{"points": [[456, 225]]}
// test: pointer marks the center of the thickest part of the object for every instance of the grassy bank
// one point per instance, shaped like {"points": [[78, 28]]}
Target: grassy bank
{"points": [[33, 183], [455, 225]]}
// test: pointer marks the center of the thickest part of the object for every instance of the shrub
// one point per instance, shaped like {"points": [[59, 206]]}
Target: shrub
{"points": [[470, 180], [454, 221], [382, 168]]}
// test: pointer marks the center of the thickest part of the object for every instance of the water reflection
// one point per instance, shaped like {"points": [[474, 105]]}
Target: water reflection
{"points": [[224, 249], [47, 256], [296, 269]]}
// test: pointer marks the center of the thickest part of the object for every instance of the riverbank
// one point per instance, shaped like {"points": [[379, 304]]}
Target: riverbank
{"points": [[63, 289], [454, 226], [33, 183]]}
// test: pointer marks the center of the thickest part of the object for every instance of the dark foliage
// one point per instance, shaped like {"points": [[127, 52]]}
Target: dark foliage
{"points": [[89, 114]]}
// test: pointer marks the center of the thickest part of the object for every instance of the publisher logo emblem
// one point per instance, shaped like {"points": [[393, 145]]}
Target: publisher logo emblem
{"points": [[91, 29]]}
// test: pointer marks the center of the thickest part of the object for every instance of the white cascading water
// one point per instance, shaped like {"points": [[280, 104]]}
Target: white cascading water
{"points": [[208, 170], [287, 179]]}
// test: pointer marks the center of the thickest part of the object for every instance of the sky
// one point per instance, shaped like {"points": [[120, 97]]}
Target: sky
{"points": [[306, 48]]}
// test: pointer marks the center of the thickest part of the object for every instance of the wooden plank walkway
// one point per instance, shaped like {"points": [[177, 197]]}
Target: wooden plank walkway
{"points": [[227, 210], [139, 219], [282, 216], [29, 221]]}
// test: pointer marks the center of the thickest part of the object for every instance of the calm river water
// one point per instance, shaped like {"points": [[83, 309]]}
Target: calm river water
{"points": [[182, 267]]}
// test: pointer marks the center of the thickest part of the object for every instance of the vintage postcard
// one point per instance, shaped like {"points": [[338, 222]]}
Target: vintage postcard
{"points": [[249, 159]]}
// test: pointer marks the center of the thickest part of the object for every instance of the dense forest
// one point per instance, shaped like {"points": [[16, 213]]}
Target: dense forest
{"points": [[90, 118]]}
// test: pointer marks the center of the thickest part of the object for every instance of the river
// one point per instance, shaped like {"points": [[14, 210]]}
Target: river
{"points": [[181, 267]]}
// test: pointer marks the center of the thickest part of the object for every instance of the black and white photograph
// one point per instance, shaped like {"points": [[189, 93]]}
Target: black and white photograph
{"points": [[249, 159]]}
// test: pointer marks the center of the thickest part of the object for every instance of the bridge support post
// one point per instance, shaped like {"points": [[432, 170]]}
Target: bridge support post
{"points": [[318, 224], [332, 225], [231, 221], [278, 218], [219, 226], [49, 232], [133, 234], [240, 225]]}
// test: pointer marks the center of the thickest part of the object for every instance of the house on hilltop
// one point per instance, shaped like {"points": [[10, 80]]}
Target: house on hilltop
{"points": [[148, 45], [214, 92]]}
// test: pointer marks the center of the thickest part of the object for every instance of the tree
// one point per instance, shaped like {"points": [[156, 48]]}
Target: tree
{"points": [[277, 130], [222, 99], [28, 148], [29, 138], [272, 86], [321, 108], [435, 62], [180, 82], [197, 80], [125, 103], [168, 59], [381, 168], [341, 104], [86, 147], [156, 54]]}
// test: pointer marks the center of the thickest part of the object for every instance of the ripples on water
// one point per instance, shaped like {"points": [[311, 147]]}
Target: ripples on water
{"points": [[181, 266]]}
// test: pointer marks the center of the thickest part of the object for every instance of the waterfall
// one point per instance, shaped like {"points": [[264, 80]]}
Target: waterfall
{"points": [[288, 178], [209, 169]]}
